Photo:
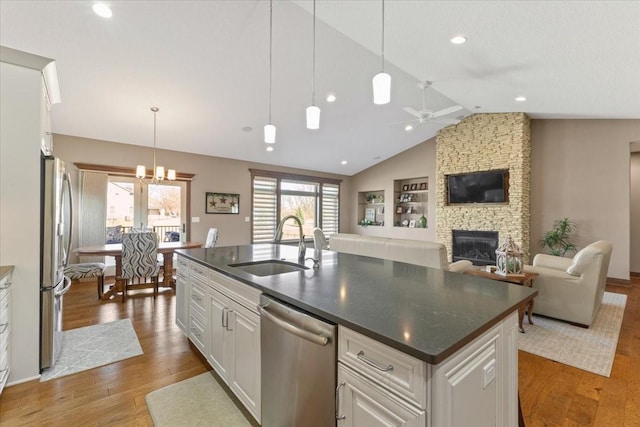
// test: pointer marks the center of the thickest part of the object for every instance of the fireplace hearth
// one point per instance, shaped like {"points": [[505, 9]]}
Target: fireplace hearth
{"points": [[479, 247]]}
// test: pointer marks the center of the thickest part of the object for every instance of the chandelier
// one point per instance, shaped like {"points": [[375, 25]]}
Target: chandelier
{"points": [[157, 171]]}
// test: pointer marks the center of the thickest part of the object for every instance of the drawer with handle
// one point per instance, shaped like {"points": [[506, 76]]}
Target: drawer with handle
{"points": [[199, 271], [402, 374]]}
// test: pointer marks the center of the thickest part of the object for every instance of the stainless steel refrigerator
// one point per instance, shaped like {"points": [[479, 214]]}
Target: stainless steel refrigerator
{"points": [[56, 222]]}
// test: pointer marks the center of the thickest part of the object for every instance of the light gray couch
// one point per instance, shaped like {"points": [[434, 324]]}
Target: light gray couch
{"points": [[418, 252], [571, 289]]}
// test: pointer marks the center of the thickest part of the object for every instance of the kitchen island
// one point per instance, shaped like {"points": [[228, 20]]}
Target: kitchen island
{"points": [[461, 330]]}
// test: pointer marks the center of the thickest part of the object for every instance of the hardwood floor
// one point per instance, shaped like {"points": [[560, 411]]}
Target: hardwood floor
{"points": [[111, 395], [552, 394]]}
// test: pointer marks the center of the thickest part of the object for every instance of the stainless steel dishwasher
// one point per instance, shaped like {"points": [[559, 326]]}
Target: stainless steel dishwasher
{"points": [[298, 367]]}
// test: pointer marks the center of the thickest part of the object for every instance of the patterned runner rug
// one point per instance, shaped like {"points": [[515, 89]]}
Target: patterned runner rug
{"points": [[93, 346], [590, 349], [198, 401]]}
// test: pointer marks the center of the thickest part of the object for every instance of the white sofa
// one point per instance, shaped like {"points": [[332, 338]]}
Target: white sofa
{"points": [[418, 252], [571, 289]]}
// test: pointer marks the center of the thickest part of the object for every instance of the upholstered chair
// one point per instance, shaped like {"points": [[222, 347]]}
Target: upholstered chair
{"points": [[140, 261], [212, 238], [320, 241], [571, 289], [87, 270]]}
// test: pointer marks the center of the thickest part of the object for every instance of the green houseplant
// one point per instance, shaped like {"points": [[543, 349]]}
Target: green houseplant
{"points": [[557, 239]]}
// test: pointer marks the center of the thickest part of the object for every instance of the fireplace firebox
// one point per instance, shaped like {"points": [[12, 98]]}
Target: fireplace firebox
{"points": [[479, 247]]}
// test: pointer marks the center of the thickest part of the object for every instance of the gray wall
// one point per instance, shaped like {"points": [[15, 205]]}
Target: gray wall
{"points": [[211, 174]]}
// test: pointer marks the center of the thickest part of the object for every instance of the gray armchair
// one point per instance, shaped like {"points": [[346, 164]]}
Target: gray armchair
{"points": [[571, 289]]}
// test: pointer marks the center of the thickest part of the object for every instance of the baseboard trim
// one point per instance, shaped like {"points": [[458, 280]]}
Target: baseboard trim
{"points": [[634, 274]]}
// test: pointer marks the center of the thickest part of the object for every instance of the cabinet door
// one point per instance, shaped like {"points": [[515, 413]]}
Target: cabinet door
{"points": [[362, 403], [469, 386], [244, 357], [182, 302], [218, 355]]}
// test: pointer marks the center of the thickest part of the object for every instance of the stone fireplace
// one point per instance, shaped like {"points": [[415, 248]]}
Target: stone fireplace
{"points": [[483, 142], [479, 247]]}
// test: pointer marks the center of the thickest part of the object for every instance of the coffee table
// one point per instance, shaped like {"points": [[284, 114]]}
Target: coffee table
{"points": [[524, 279]]}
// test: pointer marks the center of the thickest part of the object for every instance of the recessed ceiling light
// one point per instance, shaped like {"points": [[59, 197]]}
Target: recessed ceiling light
{"points": [[331, 98], [269, 148], [247, 129], [344, 162], [521, 99], [102, 10], [408, 128], [458, 39]]}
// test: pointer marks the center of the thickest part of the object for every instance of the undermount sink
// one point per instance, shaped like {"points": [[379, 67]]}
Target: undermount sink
{"points": [[268, 267]]}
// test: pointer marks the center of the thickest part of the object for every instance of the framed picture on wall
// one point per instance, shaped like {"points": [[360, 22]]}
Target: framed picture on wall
{"points": [[405, 187], [222, 203], [423, 185]]}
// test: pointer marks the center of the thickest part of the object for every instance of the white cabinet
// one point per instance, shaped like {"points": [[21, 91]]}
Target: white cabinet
{"points": [[5, 327], [381, 386], [481, 379], [234, 336], [224, 325], [183, 290], [46, 141], [363, 403]]}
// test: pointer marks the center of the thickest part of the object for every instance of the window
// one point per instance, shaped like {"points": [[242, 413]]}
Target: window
{"points": [[158, 206], [314, 200]]}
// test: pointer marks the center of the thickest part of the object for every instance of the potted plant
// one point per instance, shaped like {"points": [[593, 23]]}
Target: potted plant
{"points": [[557, 239]]}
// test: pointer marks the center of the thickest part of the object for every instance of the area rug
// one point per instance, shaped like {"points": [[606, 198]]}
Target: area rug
{"points": [[589, 349], [198, 401], [93, 346]]}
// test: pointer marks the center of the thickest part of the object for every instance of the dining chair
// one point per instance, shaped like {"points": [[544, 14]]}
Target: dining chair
{"points": [[212, 238], [319, 239], [87, 270], [140, 262]]}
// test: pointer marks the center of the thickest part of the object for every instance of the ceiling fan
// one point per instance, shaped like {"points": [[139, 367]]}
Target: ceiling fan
{"points": [[424, 115]]}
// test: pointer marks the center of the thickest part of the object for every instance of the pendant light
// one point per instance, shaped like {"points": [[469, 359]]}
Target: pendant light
{"points": [[382, 80], [269, 129], [313, 112], [157, 171]]}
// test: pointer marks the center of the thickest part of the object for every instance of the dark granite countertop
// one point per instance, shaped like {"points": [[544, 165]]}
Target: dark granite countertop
{"points": [[425, 312]]}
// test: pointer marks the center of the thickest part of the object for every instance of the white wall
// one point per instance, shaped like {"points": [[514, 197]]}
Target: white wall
{"points": [[634, 179], [580, 170], [21, 97]]}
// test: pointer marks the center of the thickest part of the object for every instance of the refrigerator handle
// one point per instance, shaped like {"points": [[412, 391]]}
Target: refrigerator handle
{"points": [[67, 179], [67, 286]]}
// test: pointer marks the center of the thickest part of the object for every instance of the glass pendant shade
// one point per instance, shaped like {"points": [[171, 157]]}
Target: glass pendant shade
{"points": [[381, 88], [159, 173], [313, 117], [140, 171], [171, 174], [269, 134]]}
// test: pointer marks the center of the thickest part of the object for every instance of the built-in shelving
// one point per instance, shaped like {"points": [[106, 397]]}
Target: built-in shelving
{"points": [[371, 208], [411, 197]]}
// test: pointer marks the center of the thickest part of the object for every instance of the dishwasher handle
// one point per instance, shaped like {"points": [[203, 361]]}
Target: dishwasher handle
{"points": [[309, 336]]}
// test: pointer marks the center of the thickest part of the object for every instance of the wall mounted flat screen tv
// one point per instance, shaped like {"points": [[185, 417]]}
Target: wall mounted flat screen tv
{"points": [[478, 187]]}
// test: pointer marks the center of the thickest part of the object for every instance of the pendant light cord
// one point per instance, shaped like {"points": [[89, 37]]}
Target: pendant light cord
{"points": [[313, 80], [270, 48], [154, 141], [382, 56]]}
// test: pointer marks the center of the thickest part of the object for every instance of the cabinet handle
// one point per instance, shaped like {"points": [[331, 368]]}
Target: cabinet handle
{"points": [[227, 326], [7, 286], [4, 327], [194, 332], [338, 416], [196, 298], [373, 364], [224, 310]]}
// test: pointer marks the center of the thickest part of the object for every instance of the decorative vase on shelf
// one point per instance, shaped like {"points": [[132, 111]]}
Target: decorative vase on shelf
{"points": [[422, 222]]}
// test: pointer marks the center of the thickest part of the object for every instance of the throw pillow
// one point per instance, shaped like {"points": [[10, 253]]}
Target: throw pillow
{"points": [[581, 260]]}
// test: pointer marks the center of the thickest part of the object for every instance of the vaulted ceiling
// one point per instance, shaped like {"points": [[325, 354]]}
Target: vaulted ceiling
{"points": [[205, 64]]}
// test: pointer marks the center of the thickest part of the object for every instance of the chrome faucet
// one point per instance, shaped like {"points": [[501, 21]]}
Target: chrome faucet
{"points": [[278, 236]]}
